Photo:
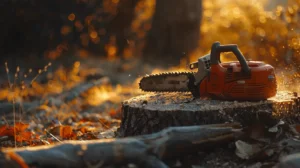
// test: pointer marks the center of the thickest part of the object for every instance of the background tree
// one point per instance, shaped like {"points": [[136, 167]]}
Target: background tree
{"points": [[52, 27], [175, 30]]}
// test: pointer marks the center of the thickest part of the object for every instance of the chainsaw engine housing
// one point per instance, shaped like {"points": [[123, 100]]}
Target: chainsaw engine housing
{"points": [[228, 81]]}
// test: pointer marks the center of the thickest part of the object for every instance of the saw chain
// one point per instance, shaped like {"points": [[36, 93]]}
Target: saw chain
{"points": [[169, 82]]}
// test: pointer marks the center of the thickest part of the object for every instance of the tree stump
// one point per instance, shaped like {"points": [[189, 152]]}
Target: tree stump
{"points": [[153, 112]]}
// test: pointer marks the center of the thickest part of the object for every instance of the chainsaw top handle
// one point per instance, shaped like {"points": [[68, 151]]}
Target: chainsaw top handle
{"points": [[216, 50]]}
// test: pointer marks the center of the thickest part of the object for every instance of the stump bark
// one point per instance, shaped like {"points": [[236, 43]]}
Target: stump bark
{"points": [[153, 112]]}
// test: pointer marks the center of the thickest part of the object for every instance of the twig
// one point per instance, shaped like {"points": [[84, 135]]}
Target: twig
{"points": [[53, 136]]}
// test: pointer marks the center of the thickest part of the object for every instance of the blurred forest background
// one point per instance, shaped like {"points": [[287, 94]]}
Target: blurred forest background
{"points": [[171, 31], [66, 66]]}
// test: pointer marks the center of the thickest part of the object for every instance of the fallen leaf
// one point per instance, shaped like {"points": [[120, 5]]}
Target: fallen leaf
{"points": [[24, 136], [64, 131], [17, 130], [83, 129], [5, 130], [115, 113], [245, 150], [275, 129]]}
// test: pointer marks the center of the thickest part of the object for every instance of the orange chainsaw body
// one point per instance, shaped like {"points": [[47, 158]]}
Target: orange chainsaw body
{"points": [[240, 80], [227, 81]]}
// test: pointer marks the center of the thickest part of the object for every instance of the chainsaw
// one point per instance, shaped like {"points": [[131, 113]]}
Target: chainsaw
{"points": [[234, 80]]}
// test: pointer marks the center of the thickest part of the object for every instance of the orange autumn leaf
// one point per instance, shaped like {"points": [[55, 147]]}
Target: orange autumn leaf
{"points": [[63, 131], [66, 131], [21, 134], [83, 130], [84, 120], [115, 113], [24, 136], [21, 126], [50, 140], [6, 130], [112, 112]]}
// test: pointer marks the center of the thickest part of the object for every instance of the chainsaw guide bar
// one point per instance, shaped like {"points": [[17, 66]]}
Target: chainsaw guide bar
{"points": [[168, 82]]}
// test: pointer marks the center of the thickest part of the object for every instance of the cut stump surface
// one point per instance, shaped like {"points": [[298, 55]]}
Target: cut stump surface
{"points": [[153, 112]]}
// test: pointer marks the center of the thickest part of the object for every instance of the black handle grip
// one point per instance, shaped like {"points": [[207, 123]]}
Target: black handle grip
{"points": [[217, 48]]}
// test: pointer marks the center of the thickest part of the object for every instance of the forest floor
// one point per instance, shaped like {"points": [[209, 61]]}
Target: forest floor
{"points": [[36, 101], [80, 99]]}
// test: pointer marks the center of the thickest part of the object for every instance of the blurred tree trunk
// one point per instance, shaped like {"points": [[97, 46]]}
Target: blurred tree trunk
{"points": [[32, 28], [120, 25], [175, 31]]}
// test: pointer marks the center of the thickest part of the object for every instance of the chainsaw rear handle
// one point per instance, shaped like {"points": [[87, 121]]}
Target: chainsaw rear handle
{"points": [[216, 50]]}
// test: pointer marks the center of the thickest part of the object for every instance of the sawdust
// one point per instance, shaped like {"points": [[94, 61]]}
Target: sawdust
{"points": [[186, 102]]}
